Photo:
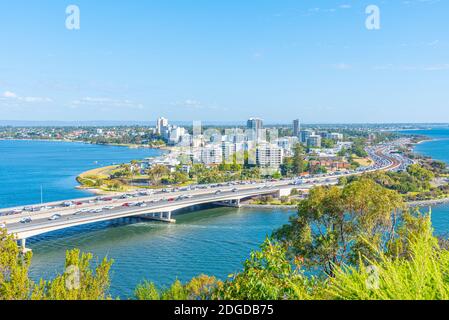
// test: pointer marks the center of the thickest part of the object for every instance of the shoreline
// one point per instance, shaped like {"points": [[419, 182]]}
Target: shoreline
{"points": [[130, 146], [411, 204]]}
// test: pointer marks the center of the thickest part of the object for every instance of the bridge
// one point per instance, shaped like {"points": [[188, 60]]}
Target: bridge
{"points": [[158, 206]]}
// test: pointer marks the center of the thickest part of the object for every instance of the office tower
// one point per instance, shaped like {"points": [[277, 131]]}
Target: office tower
{"points": [[255, 125], [296, 128]]}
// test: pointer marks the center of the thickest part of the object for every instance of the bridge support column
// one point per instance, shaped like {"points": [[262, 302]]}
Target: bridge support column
{"points": [[23, 248], [229, 203], [160, 216]]}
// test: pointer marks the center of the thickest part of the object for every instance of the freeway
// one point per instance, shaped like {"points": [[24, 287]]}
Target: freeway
{"points": [[29, 221]]}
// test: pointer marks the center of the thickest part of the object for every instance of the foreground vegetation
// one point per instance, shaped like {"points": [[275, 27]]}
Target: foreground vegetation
{"points": [[355, 242]]}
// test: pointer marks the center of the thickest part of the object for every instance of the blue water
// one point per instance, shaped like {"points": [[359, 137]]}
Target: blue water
{"points": [[211, 241], [437, 148], [25, 166]]}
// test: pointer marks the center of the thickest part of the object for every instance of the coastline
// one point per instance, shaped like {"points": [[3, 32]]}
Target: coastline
{"points": [[412, 204], [130, 146]]}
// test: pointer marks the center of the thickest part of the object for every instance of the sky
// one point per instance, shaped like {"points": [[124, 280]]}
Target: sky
{"points": [[225, 60]]}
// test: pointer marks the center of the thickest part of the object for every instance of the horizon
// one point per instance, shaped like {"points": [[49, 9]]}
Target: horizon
{"points": [[130, 123], [227, 60]]}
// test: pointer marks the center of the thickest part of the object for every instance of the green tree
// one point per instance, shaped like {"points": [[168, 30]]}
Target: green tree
{"points": [[267, 275], [421, 275], [14, 281], [298, 159], [157, 172], [79, 282], [329, 223]]}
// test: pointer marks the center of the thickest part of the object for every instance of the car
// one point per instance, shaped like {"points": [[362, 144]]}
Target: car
{"points": [[218, 192], [26, 220], [55, 217], [235, 190], [2, 225], [109, 207], [68, 204]]}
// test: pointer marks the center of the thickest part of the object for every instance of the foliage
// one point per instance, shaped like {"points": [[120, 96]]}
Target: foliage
{"points": [[328, 225], [421, 276], [157, 172], [200, 288], [267, 275], [294, 165], [14, 281]]}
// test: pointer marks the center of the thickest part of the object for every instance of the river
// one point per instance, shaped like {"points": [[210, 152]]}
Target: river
{"points": [[212, 241]]}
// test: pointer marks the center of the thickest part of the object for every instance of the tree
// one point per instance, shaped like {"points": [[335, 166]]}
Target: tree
{"points": [[421, 275], [298, 159], [420, 173], [327, 143], [14, 281], [267, 275], [79, 282], [199, 288], [157, 172], [327, 229]]}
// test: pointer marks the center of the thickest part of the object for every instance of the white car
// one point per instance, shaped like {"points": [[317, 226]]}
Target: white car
{"points": [[55, 217], [26, 220], [2, 225]]}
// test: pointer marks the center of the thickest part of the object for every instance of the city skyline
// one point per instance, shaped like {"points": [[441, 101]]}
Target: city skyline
{"points": [[225, 61]]}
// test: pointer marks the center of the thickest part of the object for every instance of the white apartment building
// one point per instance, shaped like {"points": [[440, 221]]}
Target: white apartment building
{"points": [[269, 155], [230, 149], [211, 154], [287, 144], [175, 133], [160, 124], [336, 136]]}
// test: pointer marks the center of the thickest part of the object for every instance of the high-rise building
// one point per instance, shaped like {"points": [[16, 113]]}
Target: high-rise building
{"points": [[296, 128], [160, 125], [256, 125]]}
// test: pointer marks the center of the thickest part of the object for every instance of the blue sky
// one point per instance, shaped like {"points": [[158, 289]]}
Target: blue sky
{"points": [[225, 60]]}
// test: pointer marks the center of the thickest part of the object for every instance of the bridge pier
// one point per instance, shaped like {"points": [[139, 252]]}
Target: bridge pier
{"points": [[160, 216], [23, 248], [229, 203]]}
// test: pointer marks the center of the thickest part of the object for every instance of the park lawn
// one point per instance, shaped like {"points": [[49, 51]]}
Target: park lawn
{"points": [[100, 173], [364, 162]]}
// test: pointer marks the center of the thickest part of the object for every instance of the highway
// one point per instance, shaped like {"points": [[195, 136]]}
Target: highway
{"points": [[30, 221]]}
